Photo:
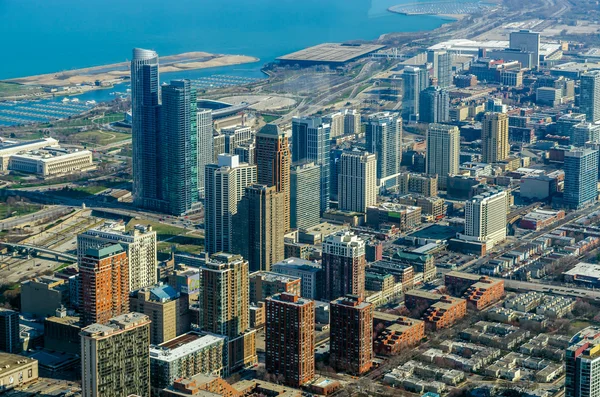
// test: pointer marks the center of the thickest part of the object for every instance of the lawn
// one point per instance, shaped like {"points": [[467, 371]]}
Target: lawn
{"points": [[100, 138], [110, 118], [85, 191], [18, 209], [11, 89], [268, 118], [163, 231]]}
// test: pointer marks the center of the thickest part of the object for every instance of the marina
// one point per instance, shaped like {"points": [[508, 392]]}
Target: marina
{"points": [[28, 112], [443, 8], [222, 81]]}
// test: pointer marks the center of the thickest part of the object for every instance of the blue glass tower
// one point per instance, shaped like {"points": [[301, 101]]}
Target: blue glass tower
{"points": [[581, 178]]}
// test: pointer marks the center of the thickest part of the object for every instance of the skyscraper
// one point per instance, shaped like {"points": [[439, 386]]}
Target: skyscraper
{"points": [[585, 132], [179, 147], [145, 111], [581, 177], [225, 186], [589, 98], [357, 181], [494, 133], [259, 231], [10, 341], [443, 152], [415, 80], [344, 265], [273, 161], [383, 136], [104, 280], [290, 338], [305, 195], [351, 121], [205, 145], [336, 123], [485, 218], [139, 244], [583, 364], [434, 106], [527, 40], [115, 361], [310, 142], [442, 67], [351, 336]]}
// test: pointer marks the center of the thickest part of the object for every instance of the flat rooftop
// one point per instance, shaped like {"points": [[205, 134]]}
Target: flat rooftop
{"points": [[184, 345], [331, 53], [436, 232], [273, 277], [584, 269]]}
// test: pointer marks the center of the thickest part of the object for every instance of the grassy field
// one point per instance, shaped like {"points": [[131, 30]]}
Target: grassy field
{"points": [[100, 138], [11, 89], [85, 191], [268, 118], [110, 118], [18, 209], [163, 231]]}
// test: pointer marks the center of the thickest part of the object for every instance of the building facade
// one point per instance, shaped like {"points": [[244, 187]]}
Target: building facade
{"points": [[495, 146], [443, 152], [205, 145], [589, 99], [344, 265], [9, 331], [383, 136], [527, 41], [581, 177], [583, 364], [305, 195], [485, 218], [434, 105], [357, 181]]}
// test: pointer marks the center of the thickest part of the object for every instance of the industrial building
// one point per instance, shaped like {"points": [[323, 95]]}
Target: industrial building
{"points": [[332, 54]]}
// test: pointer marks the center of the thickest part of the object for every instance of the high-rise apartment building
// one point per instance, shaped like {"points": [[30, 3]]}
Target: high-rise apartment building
{"points": [[494, 133], [104, 279], [344, 265], [179, 147], [115, 361], [225, 308], [442, 67], [351, 336], [273, 161], [305, 195], [357, 181], [336, 123], [290, 338], [259, 231], [351, 121], [205, 145], [583, 364], [415, 81], [485, 218], [145, 111], [434, 105], [225, 186], [585, 132], [443, 152], [139, 244], [581, 177], [236, 136], [310, 142], [383, 136], [528, 41], [589, 98], [10, 341]]}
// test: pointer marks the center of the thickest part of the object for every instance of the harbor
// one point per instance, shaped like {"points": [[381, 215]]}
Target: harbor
{"points": [[441, 8], [43, 111]]}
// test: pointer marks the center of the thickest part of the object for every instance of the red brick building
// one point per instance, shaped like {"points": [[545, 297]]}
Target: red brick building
{"points": [[479, 291], [437, 310], [290, 338], [406, 332], [351, 337], [104, 291]]}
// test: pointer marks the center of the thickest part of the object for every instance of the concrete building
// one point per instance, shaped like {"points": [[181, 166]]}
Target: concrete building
{"points": [[236, 136], [104, 284], [540, 219], [61, 333], [527, 41], [549, 96], [225, 186], [351, 345], [185, 356], [582, 369], [41, 296], [16, 371], [259, 232], [310, 142], [205, 145], [51, 162], [139, 243], [589, 98], [10, 148], [9, 331], [581, 177], [335, 121], [434, 105], [311, 275], [114, 357], [273, 161], [224, 307], [426, 185], [404, 217], [145, 113], [357, 181], [168, 310], [344, 265], [584, 274], [495, 146], [266, 284], [290, 338], [443, 152], [383, 136], [305, 195], [352, 123], [485, 218], [585, 132]]}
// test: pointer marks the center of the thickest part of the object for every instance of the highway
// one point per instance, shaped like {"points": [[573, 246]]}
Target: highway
{"points": [[51, 212], [58, 254], [525, 286]]}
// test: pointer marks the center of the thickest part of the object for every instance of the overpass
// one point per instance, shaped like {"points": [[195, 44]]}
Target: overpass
{"points": [[42, 250]]}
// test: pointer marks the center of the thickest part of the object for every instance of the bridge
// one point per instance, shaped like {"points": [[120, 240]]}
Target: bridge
{"points": [[42, 250]]}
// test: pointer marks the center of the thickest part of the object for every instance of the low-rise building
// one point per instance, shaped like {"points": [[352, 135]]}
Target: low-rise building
{"points": [[42, 296], [402, 216], [540, 219], [585, 274], [61, 333], [479, 291], [438, 311], [201, 385], [51, 162], [16, 370], [266, 284], [403, 333]]}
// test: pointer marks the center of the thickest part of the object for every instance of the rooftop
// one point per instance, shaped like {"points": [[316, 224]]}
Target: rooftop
{"points": [[101, 253], [585, 269], [13, 361], [115, 325], [331, 53], [272, 277], [184, 345]]}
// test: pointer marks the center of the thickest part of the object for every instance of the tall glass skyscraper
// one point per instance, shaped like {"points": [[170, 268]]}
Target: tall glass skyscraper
{"points": [[205, 145], [179, 147], [589, 99], [581, 177], [145, 109], [383, 136], [310, 142]]}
